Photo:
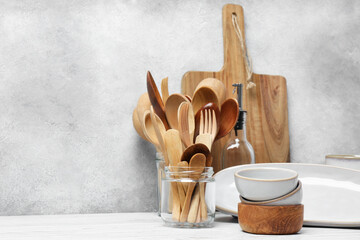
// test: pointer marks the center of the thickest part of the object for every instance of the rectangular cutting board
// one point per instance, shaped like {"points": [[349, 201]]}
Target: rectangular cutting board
{"points": [[266, 104]]}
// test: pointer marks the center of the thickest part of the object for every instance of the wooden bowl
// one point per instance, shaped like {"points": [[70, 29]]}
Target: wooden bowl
{"points": [[260, 219]]}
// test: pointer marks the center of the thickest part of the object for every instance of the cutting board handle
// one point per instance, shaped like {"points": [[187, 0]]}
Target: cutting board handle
{"points": [[233, 57]]}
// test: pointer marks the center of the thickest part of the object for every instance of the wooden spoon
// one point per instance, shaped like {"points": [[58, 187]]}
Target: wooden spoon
{"points": [[156, 100], [174, 150], [149, 130], [183, 117], [171, 109], [137, 125], [228, 117], [143, 104], [202, 97], [197, 164], [164, 89], [160, 132], [173, 146], [194, 149]]}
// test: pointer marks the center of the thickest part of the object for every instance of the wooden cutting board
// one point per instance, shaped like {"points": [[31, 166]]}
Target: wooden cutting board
{"points": [[266, 104]]}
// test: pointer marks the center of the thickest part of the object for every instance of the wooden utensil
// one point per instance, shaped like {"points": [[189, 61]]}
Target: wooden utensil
{"points": [[203, 96], [160, 132], [228, 116], [183, 166], [189, 98], [197, 164], [172, 107], [186, 123], [216, 86], [207, 133], [210, 106], [155, 99], [143, 104], [181, 186], [173, 146], [194, 149], [266, 104], [174, 151], [191, 123], [258, 219], [194, 206], [208, 128], [137, 125], [164, 89], [149, 130]]}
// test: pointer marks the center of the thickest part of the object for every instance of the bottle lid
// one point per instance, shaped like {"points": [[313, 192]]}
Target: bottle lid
{"points": [[242, 113]]}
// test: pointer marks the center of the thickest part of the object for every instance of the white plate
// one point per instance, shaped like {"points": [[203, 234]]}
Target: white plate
{"points": [[331, 194]]}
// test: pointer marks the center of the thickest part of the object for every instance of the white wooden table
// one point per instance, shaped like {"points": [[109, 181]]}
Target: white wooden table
{"points": [[140, 226]]}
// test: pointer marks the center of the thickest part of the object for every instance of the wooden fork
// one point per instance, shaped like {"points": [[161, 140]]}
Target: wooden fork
{"points": [[208, 128]]}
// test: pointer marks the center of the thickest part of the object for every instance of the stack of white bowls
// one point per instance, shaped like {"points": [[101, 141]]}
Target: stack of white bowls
{"points": [[269, 186]]}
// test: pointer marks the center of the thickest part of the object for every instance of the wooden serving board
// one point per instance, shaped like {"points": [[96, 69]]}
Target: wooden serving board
{"points": [[266, 104]]}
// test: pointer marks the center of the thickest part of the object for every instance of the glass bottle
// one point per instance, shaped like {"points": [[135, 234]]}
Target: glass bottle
{"points": [[238, 150]]}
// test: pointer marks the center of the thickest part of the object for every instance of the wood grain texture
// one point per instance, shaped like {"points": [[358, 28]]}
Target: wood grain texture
{"points": [[267, 124], [270, 219]]}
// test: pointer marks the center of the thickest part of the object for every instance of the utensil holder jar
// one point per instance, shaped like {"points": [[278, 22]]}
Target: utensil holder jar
{"points": [[188, 201]]}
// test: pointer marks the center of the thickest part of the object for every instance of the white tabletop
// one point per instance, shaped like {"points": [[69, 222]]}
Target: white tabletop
{"points": [[141, 226]]}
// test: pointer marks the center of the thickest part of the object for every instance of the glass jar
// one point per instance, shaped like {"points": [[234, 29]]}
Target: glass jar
{"points": [[160, 165], [188, 197]]}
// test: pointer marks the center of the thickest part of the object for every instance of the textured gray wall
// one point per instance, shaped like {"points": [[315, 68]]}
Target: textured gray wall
{"points": [[71, 73]]}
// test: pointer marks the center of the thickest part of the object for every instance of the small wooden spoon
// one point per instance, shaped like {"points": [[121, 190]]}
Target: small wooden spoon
{"points": [[228, 117], [156, 100], [197, 164], [194, 149], [171, 108]]}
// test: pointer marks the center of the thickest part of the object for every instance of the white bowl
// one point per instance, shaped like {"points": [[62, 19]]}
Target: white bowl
{"points": [[261, 184], [348, 161], [292, 198]]}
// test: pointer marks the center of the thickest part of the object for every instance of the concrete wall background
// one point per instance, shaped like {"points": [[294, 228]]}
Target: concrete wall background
{"points": [[71, 73]]}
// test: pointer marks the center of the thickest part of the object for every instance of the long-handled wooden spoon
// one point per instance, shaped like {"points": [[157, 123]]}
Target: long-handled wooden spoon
{"points": [[183, 120], [155, 99], [164, 89], [174, 151], [197, 164], [160, 132]]}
